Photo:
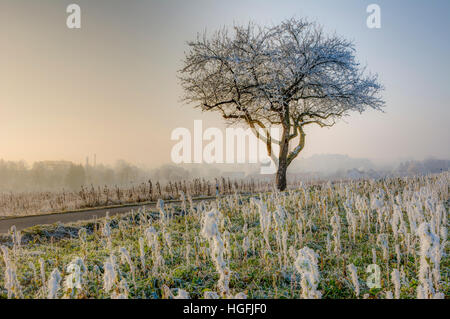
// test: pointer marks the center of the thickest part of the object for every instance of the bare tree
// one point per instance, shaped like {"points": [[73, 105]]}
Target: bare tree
{"points": [[290, 75]]}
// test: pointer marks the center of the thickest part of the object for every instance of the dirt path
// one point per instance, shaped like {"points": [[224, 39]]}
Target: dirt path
{"points": [[69, 217]]}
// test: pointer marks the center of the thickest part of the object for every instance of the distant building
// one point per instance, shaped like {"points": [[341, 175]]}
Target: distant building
{"points": [[54, 165]]}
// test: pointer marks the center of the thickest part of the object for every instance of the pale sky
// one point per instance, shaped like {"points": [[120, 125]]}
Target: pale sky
{"points": [[111, 87]]}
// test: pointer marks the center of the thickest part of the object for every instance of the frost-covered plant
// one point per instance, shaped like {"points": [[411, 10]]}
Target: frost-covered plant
{"points": [[42, 272], [383, 243], [12, 284], [300, 229], [430, 258], [33, 269], [210, 228], [224, 281], [164, 216], [336, 226], [245, 245], [16, 237], [354, 276], [265, 218], [284, 244], [187, 254], [151, 234], [5, 254], [82, 235], [125, 257], [374, 256], [110, 274], [378, 204], [142, 251], [395, 277], [73, 282], [397, 252], [279, 217], [106, 232], [306, 265], [168, 241], [53, 284], [210, 231], [226, 244], [280, 233], [352, 219], [397, 224], [328, 244]]}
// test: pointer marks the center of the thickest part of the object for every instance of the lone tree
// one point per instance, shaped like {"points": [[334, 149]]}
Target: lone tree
{"points": [[290, 75]]}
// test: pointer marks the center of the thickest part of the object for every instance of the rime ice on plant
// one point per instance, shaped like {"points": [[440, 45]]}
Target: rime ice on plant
{"points": [[306, 265]]}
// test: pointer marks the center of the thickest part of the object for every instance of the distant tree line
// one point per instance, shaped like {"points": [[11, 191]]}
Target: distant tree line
{"points": [[17, 176], [427, 166], [58, 175]]}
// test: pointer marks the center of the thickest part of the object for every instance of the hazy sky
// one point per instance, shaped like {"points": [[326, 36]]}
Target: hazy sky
{"points": [[111, 87]]}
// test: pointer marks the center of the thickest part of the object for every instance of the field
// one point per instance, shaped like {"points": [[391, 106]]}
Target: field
{"points": [[362, 239], [13, 204]]}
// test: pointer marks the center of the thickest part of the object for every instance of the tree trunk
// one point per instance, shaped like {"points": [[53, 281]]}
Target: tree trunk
{"points": [[282, 161], [281, 176]]}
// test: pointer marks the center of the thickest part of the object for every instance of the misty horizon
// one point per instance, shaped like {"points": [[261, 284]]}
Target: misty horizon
{"points": [[111, 163], [59, 175]]}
